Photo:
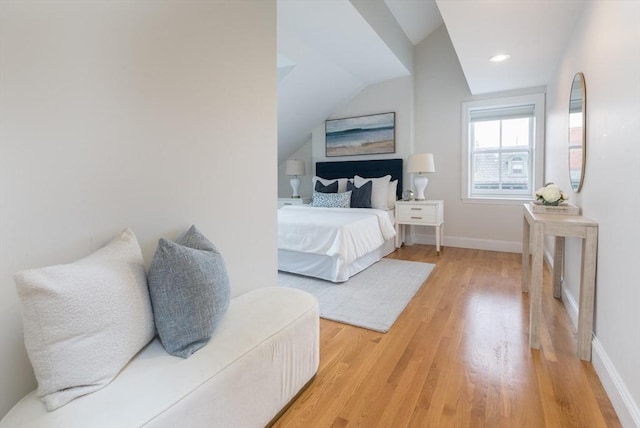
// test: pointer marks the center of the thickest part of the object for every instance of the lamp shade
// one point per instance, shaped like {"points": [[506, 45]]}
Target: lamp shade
{"points": [[422, 162], [294, 167]]}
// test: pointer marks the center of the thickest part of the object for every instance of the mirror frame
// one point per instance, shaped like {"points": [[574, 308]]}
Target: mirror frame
{"points": [[578, 79]]}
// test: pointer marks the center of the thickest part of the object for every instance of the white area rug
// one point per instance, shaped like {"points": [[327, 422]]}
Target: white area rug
{"points": [[372, 299]]}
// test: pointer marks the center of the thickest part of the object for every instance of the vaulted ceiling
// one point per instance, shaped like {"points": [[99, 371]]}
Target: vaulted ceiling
{"points": [[329, 50], [327, 53]]}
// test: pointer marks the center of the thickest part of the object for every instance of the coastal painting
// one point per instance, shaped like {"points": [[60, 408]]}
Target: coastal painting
{"points": [[362, 135]]}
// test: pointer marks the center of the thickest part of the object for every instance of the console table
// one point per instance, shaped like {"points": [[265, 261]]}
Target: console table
{"points": [[535, 226]]}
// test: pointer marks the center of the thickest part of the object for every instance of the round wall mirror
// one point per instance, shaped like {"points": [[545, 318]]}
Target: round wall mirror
{"points": [[577, 131]]}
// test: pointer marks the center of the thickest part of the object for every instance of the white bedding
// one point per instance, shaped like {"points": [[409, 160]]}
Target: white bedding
{"points": [[349, 233]]}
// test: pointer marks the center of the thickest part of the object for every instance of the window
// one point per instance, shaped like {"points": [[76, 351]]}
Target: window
{"points": [[502, 148]]}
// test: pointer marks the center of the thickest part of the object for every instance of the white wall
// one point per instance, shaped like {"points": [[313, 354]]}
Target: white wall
{"points": [[151, 115], [440, 88], [395, 95], [606, 48]]}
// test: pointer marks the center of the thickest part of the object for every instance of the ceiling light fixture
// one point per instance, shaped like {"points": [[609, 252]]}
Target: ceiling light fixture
{"points": [[499, 57]]}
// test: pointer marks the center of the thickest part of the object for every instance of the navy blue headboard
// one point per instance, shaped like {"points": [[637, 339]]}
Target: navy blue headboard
{"points": [[365, 168]]}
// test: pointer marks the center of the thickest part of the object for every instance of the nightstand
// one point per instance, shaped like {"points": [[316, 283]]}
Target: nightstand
{"points": [[293, 201], [419, 213]]}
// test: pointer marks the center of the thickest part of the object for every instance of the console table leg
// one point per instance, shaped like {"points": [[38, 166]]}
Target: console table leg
{"points": [[535, 295], [525, 255], [558, 264], [587, 293]]}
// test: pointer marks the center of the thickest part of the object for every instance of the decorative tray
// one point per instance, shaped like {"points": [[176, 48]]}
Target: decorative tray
{"points": [[566, 209]]}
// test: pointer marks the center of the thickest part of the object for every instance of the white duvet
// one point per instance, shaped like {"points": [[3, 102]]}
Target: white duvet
{"points": [[349, 233]]}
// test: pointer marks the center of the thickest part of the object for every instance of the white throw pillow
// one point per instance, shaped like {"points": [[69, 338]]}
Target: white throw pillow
{"points": [[85, 320], [342, 182], [379, 194], [393, 188]]}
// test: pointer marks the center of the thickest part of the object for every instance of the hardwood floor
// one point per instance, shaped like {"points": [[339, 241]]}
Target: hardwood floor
{"points": [[458, 356]]}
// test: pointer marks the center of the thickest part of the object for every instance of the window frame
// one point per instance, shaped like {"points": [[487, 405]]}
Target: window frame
{"points": [[536, 149]]}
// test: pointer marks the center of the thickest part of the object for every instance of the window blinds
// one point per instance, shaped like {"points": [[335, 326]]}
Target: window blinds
{"points": [[502, 113]]}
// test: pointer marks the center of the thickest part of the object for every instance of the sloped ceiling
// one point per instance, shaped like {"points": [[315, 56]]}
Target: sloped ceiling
{"points": [[328, 52], [418, 18], [533, 32]]}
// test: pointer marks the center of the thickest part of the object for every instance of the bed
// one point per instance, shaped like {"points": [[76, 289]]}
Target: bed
{"points": [[336, 243]]}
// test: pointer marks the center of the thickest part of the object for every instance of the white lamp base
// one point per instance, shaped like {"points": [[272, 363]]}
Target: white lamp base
{"points": [[420, 184], [295, 185]]}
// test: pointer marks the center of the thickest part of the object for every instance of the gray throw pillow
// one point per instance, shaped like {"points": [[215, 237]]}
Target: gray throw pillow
{"points": [[189, 290], [329, 188], [360, 196]]}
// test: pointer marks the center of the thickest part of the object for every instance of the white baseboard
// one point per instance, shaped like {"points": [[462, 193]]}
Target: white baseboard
{"points": [[626, 408], [475, 244], [571, 306]]}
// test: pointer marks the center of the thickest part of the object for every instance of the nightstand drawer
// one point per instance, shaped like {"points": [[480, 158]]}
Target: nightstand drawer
{"points": [[417, 213], [283, 202]]}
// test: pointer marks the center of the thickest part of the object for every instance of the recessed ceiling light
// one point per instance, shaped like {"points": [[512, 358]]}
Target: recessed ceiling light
{"points": [[500, 57]]}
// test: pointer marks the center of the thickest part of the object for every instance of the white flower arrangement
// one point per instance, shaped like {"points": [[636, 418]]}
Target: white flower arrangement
{"points": [[551, 194]]}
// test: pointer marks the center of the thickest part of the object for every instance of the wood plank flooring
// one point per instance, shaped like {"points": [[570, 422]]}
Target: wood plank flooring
{"points": [[458, 356]]}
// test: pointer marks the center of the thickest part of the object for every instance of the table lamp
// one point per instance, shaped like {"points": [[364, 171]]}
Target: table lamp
{"points": [[420, 164], [294, 167]]}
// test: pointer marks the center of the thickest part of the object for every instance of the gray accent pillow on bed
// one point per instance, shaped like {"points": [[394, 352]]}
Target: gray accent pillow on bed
{"points": [[189, 290], [342, 182], [329, 188], [379, 193], [331, 200], [360, 196]]}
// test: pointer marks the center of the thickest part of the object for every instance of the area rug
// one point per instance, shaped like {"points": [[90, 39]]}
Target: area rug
{"points": [[372, 299]]}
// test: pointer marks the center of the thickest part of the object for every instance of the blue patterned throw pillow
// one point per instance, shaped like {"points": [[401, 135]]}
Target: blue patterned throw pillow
{"points": [[332, 200]]}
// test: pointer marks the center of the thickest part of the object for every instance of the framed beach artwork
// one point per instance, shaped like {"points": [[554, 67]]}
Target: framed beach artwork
{"points": [[361, 135]]}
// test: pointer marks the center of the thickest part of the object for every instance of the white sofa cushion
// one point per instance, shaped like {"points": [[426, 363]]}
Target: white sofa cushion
{"points": [[85, 320], [264, 351]]}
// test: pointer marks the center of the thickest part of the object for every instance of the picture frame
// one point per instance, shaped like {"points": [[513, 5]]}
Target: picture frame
{"points": [[361, 135]]}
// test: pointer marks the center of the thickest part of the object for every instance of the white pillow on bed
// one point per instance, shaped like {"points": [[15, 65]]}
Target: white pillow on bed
{"points": [[380, 191], [342, 182], [393, 188]]}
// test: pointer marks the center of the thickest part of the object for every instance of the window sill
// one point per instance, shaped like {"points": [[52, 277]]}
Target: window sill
{"points": [[496, 201]]}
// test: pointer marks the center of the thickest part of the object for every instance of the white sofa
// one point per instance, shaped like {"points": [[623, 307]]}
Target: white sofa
{"points": [[263, 353]]}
